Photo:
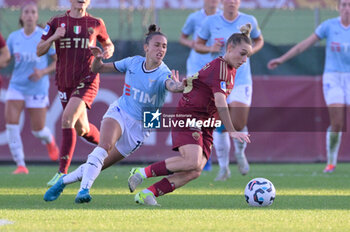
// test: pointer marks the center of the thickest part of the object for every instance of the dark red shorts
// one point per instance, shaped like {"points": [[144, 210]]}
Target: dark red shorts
{"points": [[203, 138], [87, 91]]}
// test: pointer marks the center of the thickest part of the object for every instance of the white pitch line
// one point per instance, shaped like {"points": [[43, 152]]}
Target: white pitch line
{"points": [[5, 222]]}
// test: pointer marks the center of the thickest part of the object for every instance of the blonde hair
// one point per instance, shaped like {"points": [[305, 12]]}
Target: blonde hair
{"points": [[238, 38]]}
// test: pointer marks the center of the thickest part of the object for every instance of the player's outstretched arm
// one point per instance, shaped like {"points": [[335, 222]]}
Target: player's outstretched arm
{"points": [[296, 50], [108, 49], [44, 45], [222, 107], [174, 84], [97, 65]]}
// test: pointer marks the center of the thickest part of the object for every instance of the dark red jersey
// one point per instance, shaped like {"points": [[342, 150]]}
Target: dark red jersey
{"points": [[198, 96], [74, 57], [2, 41]]}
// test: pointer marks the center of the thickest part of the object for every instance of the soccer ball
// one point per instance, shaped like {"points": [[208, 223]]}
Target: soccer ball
{"points": [[259, 192]]}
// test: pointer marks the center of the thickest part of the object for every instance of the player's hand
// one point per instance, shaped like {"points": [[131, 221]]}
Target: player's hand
{"points": [[96, 52], [240, 136], [274, 63], [108, 52], [59, 33], [36, 75], [216, 47]]}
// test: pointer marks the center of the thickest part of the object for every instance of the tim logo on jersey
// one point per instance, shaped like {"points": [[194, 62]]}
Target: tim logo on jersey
{"points": [[151, 119]]}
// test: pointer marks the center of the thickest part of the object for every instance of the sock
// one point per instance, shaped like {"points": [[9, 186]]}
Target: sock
{"points": [[69, 139], [156, 169], [222, 147], [94, 134], [162, 187], [14, 141], [240, 147], [44, 135], [74, 176], [333, 140], [93, 167]]}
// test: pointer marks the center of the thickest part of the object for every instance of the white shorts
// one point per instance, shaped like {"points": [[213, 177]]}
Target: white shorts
{"points": [[241, 93], [336, 88], [133, 133], [31, 101]]}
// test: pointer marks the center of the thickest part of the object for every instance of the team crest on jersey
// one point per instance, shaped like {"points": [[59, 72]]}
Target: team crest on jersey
{"points": [[63, 25], [91, 30], [196, 135], [223, 86], [46, 29], [77, 29]]}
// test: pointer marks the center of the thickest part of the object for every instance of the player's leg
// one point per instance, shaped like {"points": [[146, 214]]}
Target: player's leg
{"points": [[37, 111], [239, 113], [14, 105], [111, 131], [222, 147], [333, 91]]}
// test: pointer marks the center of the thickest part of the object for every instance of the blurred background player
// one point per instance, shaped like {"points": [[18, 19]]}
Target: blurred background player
{"points": [[195, 60], [73, 32], [336, 76], [28, 87], [208, 91], [212, 38], [122, 130], [4, 54]]}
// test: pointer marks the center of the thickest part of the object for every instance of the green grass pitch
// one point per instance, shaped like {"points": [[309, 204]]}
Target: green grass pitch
{"points": [[306, 200]]}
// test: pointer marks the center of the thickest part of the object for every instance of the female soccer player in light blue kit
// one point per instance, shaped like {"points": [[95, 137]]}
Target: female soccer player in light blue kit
{"points": [[195, 60], [147, 81], [28, 87], [336, 76], [212, 39]]}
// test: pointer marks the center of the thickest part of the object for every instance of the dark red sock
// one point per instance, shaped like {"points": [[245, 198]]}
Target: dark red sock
{"points": [[94, 134], [69, 139], [162, 187], [157, 169]]}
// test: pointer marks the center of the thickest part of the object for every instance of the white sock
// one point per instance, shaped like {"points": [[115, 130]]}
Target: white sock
{"points": [[333, 140], [240, 147], [143, 173], [74, 176], [222, 147], [93, 167], [44, 135], [14, 140]]}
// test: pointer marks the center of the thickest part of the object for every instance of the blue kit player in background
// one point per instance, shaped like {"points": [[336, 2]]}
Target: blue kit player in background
{"points": [[28, 88], [147, 80], [195, 60], [212, 39], [336, 75]]}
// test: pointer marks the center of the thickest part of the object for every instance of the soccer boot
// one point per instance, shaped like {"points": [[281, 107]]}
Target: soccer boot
{"points": [[83, 196], [329, 168], [223, 174], [135, 179], [54, 179], [21, 170], [146, 199], [53, 149], [55, 191], [243, 165]]}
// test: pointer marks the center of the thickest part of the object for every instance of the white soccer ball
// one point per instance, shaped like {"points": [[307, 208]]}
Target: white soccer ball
{"points": [[260, 192]]}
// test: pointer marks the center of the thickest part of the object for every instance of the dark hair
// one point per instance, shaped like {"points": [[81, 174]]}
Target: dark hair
{"points": [[237, 38], [152, 31], [20, 21]]}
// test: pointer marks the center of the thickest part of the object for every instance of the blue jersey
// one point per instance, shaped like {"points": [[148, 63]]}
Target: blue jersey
{"points": [[216, 27], [193, 24], [338, 45], [143, 88], [23, 48]]}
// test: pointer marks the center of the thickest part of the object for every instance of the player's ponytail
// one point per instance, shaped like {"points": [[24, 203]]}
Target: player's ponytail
{"points": [[153, 30], [238, 38]]}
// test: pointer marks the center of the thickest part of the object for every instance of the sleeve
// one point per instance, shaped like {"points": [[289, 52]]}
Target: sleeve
{"points": [[9, 43], [2, 41], [102, 35], [122, 65], [321, 30], [256, 32], [218, 74], [189, 27], [49, 29], [204, 32]]}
